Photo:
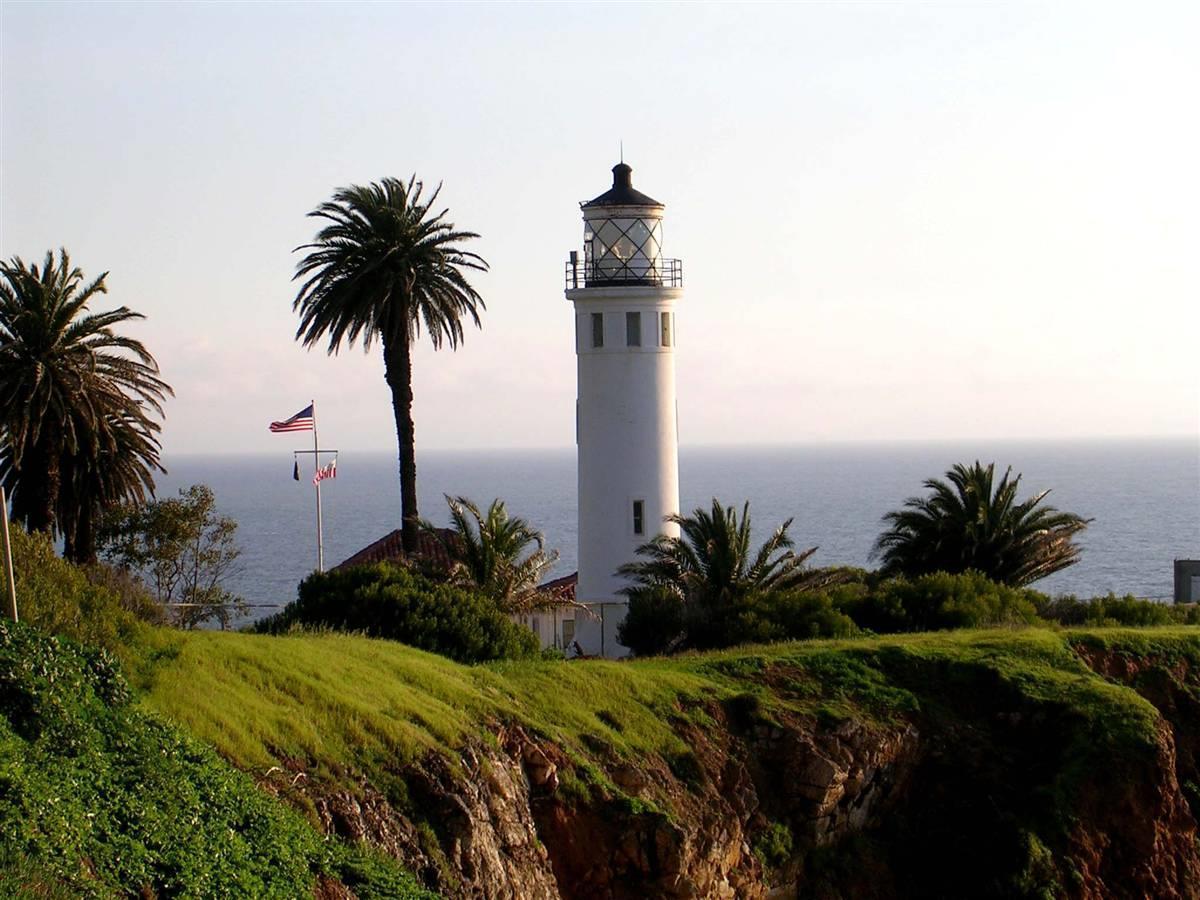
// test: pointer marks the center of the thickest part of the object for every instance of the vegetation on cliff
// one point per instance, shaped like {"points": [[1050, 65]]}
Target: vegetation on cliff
{"points": [[99, 799], [391, 601], [1019, 761], [258, 698], [1019, 735]]}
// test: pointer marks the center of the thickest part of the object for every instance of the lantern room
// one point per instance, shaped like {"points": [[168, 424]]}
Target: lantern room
{"points": [[622, 240]]}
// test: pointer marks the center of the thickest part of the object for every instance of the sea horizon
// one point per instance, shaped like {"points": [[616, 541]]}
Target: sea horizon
{"points": [[1190, 439], [1142, 494]]}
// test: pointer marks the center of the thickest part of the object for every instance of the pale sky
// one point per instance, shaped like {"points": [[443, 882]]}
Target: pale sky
{"points": [[896, 220]]}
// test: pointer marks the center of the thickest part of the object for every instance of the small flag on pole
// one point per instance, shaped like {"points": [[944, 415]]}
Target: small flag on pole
{"points": [[329, 470], [296, 470], [301, 421]]}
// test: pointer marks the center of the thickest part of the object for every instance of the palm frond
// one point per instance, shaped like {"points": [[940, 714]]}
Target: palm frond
{"points": [[970, 521]]}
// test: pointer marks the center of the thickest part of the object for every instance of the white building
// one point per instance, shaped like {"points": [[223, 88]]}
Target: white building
{"points": [[627, 432]]}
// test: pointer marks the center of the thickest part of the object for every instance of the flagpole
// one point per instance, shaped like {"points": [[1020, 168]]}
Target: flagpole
{"points": [[317, 483]]}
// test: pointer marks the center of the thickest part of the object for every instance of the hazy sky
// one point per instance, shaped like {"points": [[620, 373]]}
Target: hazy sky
{"points": [[895, 220]]}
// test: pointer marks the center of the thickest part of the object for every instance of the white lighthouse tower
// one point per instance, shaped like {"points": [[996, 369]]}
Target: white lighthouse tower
{"points": [[627, 430]]}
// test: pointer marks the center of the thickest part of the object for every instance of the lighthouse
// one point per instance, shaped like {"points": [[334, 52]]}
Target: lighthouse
{"points": [[624, 293]]}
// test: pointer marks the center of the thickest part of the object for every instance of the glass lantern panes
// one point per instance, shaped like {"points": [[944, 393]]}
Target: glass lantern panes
{"points": [[624, 250]]}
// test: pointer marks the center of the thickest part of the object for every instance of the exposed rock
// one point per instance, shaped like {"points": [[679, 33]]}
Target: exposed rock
{"points": [[495, 823], [1141, 836]]}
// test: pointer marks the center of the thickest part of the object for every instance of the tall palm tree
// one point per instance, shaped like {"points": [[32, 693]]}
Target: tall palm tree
{"points": [[968, 522], [62, 370], [384, 267], [489, 552], [710, 565]]}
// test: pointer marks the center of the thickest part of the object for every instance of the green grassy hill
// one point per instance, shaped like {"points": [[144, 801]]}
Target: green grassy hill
{"points": [[101, 799], [995, 747], [1026, 762], [337, 699]]}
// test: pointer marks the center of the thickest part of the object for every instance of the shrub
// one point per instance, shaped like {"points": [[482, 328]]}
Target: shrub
{"points": [[773, 846], [99, 799], [128, 590], [658, 621], [1113, 610], [653, 621], [389, 601], [790, 616], [938, 601], [58, 597]]}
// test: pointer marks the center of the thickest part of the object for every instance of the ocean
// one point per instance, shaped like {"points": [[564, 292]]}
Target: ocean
{"points": [[1144, 497]]}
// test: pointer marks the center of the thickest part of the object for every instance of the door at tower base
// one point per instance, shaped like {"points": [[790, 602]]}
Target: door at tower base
{"points": [[597, 633]]}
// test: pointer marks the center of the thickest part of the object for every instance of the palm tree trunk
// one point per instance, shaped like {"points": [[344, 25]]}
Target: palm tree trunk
{"points": [[81, 546], [36, 494], [397, 359]]}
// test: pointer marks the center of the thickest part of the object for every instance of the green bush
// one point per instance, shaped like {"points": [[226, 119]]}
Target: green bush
{"points": [[786, 616], [98, 799], [773, 846], [653, 620], [59, 598], [389, 601], [657, 621], [937, 601], [1126, 611]]}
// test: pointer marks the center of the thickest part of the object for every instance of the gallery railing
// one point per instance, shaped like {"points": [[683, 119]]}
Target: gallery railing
{"points": [[662, 273]]}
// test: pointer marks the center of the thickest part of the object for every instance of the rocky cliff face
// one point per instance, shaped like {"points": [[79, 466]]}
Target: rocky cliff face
{"points": [[972, 794], [1157, 813]]}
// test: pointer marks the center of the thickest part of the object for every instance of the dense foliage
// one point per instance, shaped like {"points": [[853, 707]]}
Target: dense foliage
{"points": [[389, 601], [693, 590], [1126, 611], [936, 602], [98, 799], [966, 524], [76, 402], [60, 598], [870, 602], [492, 554], [657, 621], [182, 550], [383, 267]]}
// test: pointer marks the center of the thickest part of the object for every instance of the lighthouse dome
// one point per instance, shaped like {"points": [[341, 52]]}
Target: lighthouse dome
{"points": [[622, 241], [622, 192]]}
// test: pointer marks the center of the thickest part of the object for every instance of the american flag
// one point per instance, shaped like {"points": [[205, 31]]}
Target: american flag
{"points": [[301, 421], [329, 470]]}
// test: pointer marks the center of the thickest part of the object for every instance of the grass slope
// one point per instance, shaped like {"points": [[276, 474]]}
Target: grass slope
{"points": [[339, 701], [99, 799]]}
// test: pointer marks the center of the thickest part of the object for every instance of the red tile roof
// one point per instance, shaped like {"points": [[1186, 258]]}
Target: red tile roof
{"points": [[562, 588], [390, 548]]}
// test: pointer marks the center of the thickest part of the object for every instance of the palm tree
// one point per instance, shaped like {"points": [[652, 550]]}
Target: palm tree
{"points": [[121, 471], [710, 565], [489, 553], [62, 371], [966, 524], [381, 269]]}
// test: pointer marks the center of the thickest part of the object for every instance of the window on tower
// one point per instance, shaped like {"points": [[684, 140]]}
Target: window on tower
{"points": [[639, 524], [633, 329], [666, 329], [597, 330]]}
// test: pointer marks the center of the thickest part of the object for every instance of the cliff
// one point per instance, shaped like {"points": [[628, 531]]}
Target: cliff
{"points": [[986, 764]]}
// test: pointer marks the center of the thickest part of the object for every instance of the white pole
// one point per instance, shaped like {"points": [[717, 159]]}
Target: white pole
{"points": [[316, 470], [10, 583]]}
